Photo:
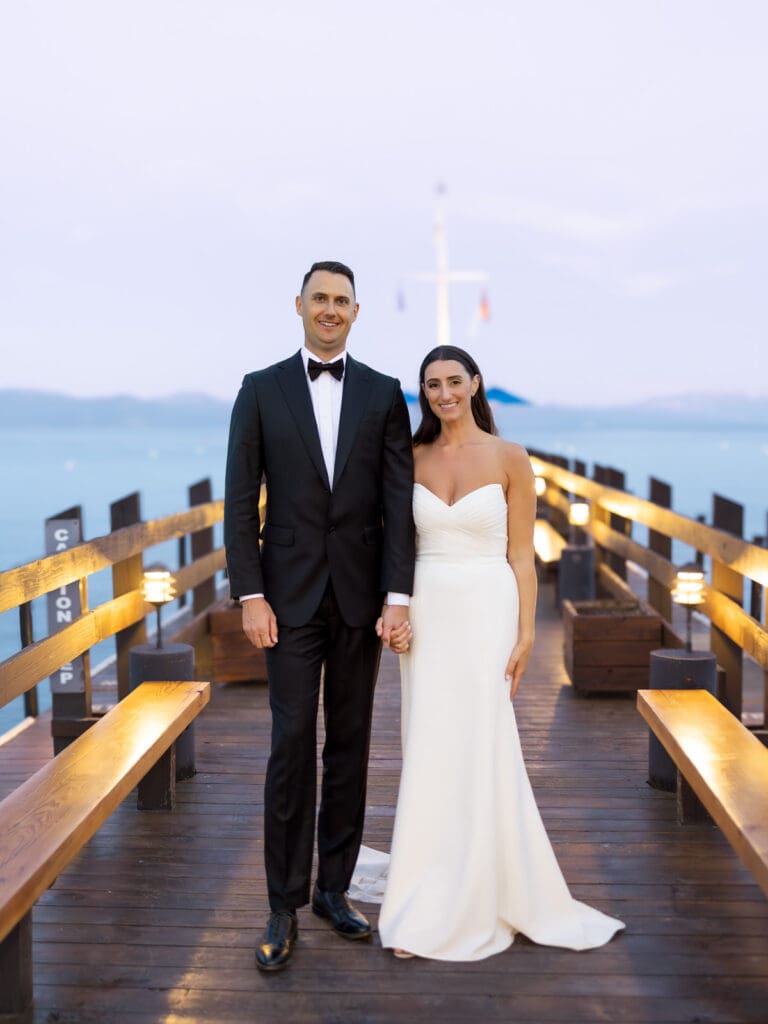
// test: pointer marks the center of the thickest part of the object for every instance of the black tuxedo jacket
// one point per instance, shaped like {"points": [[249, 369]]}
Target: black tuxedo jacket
{"points": [[360, 532]]}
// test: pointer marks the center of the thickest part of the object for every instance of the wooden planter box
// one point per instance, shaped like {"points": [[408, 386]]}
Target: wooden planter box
{"points": [[607, 644], [234, 659]]}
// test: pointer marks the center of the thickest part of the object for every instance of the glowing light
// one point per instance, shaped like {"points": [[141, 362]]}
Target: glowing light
{"points": [[578, 513], [541, 485], [689, 585], [158, 586]]}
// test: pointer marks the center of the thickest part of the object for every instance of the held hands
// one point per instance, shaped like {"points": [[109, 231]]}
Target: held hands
{"points": [[516, 665], [259, 622], [394, 628]]}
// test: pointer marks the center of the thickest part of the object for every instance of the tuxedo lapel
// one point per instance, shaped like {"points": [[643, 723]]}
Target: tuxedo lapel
{"points": [[292, 379], [357, 389]]}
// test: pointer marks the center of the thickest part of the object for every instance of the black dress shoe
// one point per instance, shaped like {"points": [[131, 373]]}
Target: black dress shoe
{"points": [[277, 944], [336, 908]]}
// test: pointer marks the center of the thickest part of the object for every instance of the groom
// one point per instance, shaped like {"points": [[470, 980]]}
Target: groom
{"points": [[331, 438]]}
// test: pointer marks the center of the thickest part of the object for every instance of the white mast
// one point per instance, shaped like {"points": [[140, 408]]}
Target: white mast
{"points": [[443, 276]]}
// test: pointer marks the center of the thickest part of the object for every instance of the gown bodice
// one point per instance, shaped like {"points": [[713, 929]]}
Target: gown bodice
{"points": [[474, 527]]}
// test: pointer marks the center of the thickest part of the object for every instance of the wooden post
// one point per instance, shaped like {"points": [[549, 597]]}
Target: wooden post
{"points": [[543, 510], [16, 972], [579, 536], [659, 595], [599, 514], [556, 516], [729, 516], [756, 590], [31, 707], [699, 555], [182, 549], [157, 790], [616, 478], [127, 576], [201, 542]]}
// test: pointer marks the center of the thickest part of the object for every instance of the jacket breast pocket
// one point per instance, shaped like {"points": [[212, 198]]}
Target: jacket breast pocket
{"points": [[281, 535]]}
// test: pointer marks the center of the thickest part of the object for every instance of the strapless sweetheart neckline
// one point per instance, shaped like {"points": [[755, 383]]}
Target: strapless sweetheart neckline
{"points": [[462, 498]]}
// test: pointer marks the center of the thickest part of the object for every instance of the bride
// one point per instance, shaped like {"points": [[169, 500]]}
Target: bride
{"points": [[471, 863]]}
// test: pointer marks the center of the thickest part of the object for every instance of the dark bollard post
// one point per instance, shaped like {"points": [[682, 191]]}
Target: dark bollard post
{"points": [[150, 664], [160, 662], [675, 669], [576, 573]]}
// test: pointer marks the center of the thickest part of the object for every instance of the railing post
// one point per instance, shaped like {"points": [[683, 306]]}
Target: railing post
{"points": [[182, 561], [556, 515], [616, 478], [127, 576], [31, 706], [201, 543], [599, 514], [756, 590], [659, 595], [729, 516], [577, 535]]}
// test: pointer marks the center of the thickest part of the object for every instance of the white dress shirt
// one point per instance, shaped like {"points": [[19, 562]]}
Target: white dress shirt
{"points": [[326, 394]]}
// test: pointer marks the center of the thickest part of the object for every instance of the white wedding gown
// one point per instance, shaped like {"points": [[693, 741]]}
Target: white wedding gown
{"points": [[471, 863]]}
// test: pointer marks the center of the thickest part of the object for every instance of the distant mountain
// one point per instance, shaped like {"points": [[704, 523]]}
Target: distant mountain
{"points": [[50, 409], [25, 409]]}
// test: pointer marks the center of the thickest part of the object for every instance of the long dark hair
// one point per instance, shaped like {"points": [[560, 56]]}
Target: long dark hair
{"points": [[429, 428]]}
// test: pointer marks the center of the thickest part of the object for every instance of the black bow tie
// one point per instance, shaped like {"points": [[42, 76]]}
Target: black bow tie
{"points": [[314, 368]]}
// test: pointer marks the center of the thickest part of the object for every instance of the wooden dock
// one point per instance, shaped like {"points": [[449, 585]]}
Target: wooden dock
{"points": [[157, 919]]}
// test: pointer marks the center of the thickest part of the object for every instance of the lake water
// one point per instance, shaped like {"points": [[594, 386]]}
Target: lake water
{"points": [[46, 471]]}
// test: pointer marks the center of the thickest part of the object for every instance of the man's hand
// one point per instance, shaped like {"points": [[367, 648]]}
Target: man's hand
{"points": [[393, 616], [259, 622]]}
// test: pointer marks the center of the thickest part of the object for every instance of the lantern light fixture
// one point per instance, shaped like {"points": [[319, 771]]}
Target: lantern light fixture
{"points": [[689, 592], [578, 513], [158, 588]]}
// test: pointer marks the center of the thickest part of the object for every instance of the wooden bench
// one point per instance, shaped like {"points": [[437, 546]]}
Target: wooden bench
{"points": [[548, 546], [721, 767], [50, 817]]}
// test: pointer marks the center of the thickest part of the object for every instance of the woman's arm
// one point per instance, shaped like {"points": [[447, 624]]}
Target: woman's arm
{"points": [[521, 516]]}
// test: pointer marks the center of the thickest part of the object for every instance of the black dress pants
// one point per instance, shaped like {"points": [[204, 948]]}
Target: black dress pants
{"points": [[351, 658]]}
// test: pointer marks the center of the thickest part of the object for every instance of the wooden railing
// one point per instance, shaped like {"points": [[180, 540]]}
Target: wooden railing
{"points": [[734, 631], [123, 616]]}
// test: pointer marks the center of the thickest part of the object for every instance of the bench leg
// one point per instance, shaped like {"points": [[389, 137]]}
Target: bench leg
{"points": [[157, 790], [16, 972], [689, 807]]}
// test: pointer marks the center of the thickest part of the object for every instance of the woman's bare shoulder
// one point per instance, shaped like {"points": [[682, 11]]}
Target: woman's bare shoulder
{"points": [[515, 459]]}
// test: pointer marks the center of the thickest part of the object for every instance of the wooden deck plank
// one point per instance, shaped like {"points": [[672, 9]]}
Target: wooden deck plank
{"points": [[157, 919]]}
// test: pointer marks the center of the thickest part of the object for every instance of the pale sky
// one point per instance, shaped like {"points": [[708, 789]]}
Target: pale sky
{"points": [[168, 170]]}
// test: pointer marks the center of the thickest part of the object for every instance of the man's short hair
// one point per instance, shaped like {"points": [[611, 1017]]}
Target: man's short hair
{"points": [[333, 267]]}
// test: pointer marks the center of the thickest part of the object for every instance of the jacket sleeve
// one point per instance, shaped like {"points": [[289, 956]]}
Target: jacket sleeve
{"points": [[242, 488], [399, 550]]}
